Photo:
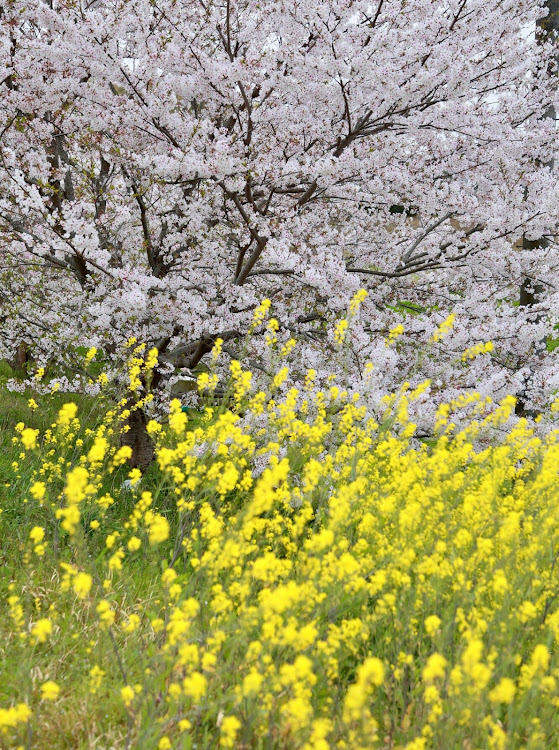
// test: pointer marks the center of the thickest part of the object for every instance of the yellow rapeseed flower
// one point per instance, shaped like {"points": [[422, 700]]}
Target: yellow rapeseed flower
{"points": [[38, 491], [127, 694], [106, 614], [340, 331], [41, 630], [503, 692], [37, 534], [96, 675], [11, 717], [443, 328], [194, 686], [432, 624], [435, 668], [134, 544], [29, 438], [50, 691], [67, 414], [230, 725], [158, 529]]}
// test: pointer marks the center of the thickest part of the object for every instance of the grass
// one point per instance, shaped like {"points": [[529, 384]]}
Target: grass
{"points": [[14, 408], [304, 577]]}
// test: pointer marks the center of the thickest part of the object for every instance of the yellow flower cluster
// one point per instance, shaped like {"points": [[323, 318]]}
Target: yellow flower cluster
{"points": [[11, 718], [394, 334], [140, 366], [260, 314], [340, 331], [443, 328], [325, 581], [241, 379], [476, 350], [207, 382], [356, 301]]}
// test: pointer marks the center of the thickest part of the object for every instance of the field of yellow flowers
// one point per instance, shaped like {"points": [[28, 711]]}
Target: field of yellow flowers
{"points": [[290, 574]]}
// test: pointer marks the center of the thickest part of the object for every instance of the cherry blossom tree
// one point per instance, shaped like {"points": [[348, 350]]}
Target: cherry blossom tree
{"points": [[166, 165]]}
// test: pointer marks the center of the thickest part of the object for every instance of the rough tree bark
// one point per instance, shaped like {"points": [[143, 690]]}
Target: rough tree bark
{"points": [[20, 359], [138, 439]]}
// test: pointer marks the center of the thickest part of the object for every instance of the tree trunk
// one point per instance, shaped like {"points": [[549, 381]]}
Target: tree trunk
{"points": [[20, 359], [138, 439]]}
